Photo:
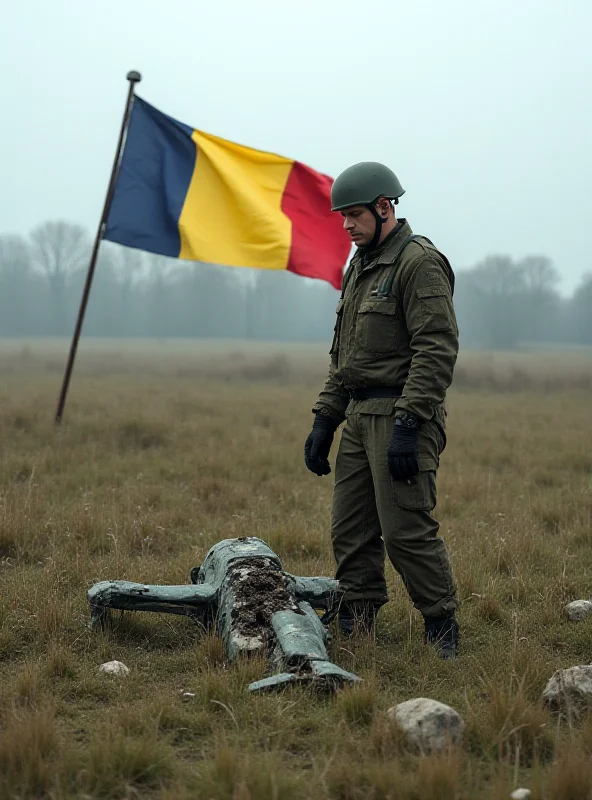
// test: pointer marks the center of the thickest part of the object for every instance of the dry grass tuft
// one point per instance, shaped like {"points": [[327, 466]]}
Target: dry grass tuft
{"points": [[438, 776], [230, 776], [357, 704], [524, 729], [571, 776], [29, 753], [113, 762]]}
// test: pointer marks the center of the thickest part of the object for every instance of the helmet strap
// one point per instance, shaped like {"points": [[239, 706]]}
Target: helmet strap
{"points": [[377, 228]]}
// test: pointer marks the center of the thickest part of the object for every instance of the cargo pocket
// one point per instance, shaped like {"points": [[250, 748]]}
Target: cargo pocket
{"points": [[436, 308], [337, 329], [376, 326], [420, 496]]}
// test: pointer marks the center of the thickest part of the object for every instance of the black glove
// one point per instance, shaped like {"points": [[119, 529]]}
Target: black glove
{"points": [[403, 450], [318, 444]]}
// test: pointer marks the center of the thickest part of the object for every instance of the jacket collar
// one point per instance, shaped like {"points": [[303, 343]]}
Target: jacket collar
{"points": [[390, 247], [386, 251]]}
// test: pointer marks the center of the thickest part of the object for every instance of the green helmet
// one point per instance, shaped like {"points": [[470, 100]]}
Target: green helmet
{"points": [[362, 184]]}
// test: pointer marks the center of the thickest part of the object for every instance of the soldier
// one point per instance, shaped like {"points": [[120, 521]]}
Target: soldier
{"points": [[392, 359]]}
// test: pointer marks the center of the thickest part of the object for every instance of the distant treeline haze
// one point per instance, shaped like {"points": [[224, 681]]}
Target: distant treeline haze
{"points": [[500, 303]]}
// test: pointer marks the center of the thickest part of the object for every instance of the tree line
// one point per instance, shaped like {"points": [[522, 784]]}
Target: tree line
{"points": [[501, 303]]}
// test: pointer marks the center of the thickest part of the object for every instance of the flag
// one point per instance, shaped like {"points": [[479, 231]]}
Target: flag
{"points": [[184, 193]]}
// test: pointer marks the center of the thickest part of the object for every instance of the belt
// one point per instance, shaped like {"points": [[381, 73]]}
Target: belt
{"points": [[372, 392]]}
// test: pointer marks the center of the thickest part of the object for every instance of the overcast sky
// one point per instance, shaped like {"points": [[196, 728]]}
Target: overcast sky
{"points": [[482, 108]]}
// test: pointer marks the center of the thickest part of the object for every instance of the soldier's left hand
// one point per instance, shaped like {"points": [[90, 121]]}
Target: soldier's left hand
{"points": [[403, 452]]}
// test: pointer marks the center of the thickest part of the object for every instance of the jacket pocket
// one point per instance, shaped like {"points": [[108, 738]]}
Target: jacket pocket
{"points": [[337, 328], [436, 308], [377, 326]]}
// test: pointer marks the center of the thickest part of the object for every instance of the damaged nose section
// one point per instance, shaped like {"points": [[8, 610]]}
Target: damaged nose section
{"points": [[300, 653], [324, 674]]}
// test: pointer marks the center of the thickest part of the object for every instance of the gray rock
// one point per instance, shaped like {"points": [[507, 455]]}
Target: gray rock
{"points": [[578, 610], [569, 691], [114, 668], [430, 725]]}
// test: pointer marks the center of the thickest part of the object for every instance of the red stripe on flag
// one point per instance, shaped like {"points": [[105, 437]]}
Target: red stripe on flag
{"points": [[319, 246]]}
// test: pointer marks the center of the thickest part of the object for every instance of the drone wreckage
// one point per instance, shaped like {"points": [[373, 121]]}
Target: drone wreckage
{"points": [[242, 590]]}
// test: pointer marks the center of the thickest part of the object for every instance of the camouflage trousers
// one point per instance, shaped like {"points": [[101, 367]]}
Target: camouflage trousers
{"points": [[372, 512]]}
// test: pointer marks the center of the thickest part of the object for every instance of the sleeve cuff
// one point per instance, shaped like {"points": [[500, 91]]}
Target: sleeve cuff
{"points": [[328, 412], [405, 405]]}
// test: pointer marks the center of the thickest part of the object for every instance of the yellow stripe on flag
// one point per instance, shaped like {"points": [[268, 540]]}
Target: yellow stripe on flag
{"points": [[232, 213]]}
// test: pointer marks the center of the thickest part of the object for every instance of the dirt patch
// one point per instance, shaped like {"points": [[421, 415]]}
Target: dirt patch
{"points": [[260, 589]]}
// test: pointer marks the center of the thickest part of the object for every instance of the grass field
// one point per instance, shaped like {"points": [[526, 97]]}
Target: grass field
{"points": [[167, 448]]}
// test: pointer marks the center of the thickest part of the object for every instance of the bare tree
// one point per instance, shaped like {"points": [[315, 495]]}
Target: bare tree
{"points": [[59, 249], [497, 286], [542, 306], [540, 275], [14, 253], [129, 266], [15, 285], [580, 322]]}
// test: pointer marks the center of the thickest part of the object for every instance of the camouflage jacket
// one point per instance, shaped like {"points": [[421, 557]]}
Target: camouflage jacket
{"points": [[395, 326]]}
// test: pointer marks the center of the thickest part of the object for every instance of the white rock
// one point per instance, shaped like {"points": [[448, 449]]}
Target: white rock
{"points": [[429, 724], [578, 609], [114, 668], [569, 691], [520, 794]]}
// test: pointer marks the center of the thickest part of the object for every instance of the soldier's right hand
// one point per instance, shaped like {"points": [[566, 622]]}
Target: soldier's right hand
{"points": [[318, 445]]}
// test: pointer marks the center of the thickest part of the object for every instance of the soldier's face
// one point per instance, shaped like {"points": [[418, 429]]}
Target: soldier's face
{"points": [[360, 223]]}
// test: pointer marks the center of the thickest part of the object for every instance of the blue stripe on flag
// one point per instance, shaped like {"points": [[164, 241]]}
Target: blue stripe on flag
{"points": [[156, 169]]}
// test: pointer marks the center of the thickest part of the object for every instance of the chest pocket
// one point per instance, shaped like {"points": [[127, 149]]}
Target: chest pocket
{"points": [[337, 329], [376, 326]]}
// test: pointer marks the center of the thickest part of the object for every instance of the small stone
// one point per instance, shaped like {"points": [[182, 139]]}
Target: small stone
{"points": [[520, 794], [569, 691], [429, 724], [578, 610], [114, 668]]}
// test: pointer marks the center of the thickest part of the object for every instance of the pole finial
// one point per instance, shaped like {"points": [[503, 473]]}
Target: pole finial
{"points": [[134, 77]]}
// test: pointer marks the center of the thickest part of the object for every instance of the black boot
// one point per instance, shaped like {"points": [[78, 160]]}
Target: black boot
{"points": [[357, 617], [444, 634]]}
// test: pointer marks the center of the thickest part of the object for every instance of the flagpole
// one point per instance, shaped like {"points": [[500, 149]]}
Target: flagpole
{"points": [[133, 77]]}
